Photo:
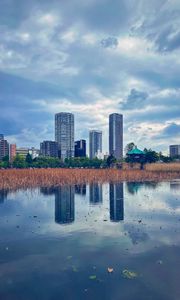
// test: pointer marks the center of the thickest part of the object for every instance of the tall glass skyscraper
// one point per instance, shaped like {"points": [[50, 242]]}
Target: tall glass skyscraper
{"points": [[64, 134], [116, 135], [95, 143]]}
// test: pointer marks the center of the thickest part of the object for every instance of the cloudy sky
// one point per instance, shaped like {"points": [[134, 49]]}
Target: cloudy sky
{"points": [[90, 58]]}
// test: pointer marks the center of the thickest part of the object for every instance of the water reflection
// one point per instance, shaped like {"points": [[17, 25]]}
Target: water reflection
{"points": [[175, 185], [64, 205], [3, 195], [34, 249], [80, 189], [95, 193], [133, 187], [116, 197]]}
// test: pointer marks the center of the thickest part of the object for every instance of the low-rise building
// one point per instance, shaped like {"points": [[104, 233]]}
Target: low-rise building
{"points": [[12, 152], [49, 149], [174, 151], [22, 151], [80, 148]]}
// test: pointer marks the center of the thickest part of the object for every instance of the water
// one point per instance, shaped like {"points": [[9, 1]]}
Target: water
{"points": [[58, 243]]}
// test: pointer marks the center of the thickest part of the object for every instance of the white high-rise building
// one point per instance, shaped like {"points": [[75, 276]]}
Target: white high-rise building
{"points": [[95, 143], [64, 134]]}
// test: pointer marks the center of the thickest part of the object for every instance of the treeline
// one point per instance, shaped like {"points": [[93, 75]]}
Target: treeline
{"points": [[20, 162]]}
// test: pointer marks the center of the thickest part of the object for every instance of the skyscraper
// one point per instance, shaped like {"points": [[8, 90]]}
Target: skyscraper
{"points": [[64, 134], [80, 148], [4, 147], [116, 135], [95, 143]]}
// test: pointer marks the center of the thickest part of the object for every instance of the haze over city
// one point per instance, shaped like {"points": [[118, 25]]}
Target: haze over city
{"points": [[90, 59]]}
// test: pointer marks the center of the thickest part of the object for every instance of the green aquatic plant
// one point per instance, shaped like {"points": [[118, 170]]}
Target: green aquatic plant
{"points": [[129, 274]]}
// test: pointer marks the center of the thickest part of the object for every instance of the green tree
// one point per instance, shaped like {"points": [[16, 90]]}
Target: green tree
{"points": [[151, 156], [110, 160], [129, 147], [19, 162], [29, 159]]}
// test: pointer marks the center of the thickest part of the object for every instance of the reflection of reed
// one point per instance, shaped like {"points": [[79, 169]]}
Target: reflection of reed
{"points": [[3, 195], [116, 195], [64, 205], [80, 189], [95, 193], [175, 185], [29, 178]]}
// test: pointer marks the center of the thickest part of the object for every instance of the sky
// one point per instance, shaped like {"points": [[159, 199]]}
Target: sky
{"points": [[91, 58]]}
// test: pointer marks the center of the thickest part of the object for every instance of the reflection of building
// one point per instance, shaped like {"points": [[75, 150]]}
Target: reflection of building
{"points": [[116, 135], [48, 191], [80, 189], [64, 205], [49, 148], [64, 134], [80, 148], [174, 150], [95, 143], [116, 195], [95, 193], [3, 195]]}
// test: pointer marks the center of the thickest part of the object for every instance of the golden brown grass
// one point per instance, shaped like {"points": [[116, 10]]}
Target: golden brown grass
{"points": [[160, 167], [16, 179]]}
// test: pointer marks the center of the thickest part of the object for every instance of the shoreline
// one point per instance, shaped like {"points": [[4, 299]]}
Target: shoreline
{"points": [[15, 179]]}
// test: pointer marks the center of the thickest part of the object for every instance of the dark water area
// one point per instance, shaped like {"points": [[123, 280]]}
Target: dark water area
{"points": [[58, 243]]}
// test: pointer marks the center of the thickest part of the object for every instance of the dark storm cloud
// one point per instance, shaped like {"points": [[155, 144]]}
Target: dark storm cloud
{"points": [[136, 99], [86, 52], [172, 129]]}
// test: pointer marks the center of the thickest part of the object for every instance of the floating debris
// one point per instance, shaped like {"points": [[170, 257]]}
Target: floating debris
{"points": [[69, 257], [159, 262], [110, 270], [74, 269], [92, 277], [129, 274]]}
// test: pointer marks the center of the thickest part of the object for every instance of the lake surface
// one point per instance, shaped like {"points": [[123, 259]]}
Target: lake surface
{"points": [[58, 243]]}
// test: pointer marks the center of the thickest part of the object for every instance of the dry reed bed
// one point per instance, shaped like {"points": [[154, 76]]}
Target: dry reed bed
{"points": [[26, 178]]}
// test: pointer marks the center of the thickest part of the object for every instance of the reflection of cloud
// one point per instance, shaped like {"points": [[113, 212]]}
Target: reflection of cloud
{"points": [[136, 235], [110, 42]]}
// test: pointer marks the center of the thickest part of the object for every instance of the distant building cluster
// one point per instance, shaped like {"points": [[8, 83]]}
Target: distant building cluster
{"points": [[64, 146]]}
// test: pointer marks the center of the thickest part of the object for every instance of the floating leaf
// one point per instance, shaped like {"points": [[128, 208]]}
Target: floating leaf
{"points": [[74, 269], [129, 274], [160, 262], [69, 257], [92, 277], [110, 270]]}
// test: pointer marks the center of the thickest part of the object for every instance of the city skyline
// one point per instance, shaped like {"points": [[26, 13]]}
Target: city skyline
{"points": [[120, 56], [65, 146]]}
